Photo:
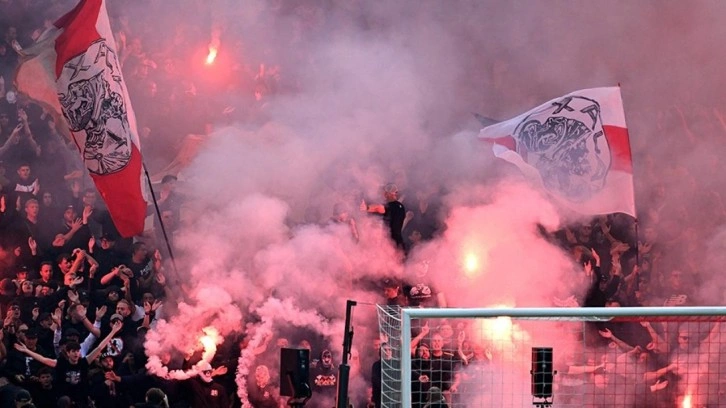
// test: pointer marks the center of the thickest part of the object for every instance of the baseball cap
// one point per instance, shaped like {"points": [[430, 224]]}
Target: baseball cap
{"points": [[31, 333], [108, 236], [116, 316], [23, 396]]}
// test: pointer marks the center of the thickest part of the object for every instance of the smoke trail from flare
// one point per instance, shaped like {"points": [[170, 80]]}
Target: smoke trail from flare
{"points": [[211, 316], [209, 342], [213, 46], [275, 309]]}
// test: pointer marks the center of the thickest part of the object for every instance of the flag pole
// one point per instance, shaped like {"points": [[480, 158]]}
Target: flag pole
{"points": [[161, 222], [635, 216]]}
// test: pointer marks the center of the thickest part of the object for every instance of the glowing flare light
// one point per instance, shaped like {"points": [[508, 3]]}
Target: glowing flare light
{"points": [[500, 329], [686, 403], [471, 265], [212, 55], [209, 340]]}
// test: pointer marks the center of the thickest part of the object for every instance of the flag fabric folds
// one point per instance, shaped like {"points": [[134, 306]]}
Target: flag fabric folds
{"points": [[576, 147], [74, 70]]}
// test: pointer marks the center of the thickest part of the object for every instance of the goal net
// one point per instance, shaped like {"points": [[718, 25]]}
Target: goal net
{"points": [[553, 357]]}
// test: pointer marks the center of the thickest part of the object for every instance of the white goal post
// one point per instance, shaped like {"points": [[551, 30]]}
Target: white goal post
{"points": [[517, 331]]}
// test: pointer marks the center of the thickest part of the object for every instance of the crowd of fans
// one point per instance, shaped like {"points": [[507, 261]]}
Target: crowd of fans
{"points": [[77, 299]]}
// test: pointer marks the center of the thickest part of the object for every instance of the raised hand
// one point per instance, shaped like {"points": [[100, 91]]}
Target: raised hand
{"points": [[81, 311], [595, 255], [87, 211], [659, 385], [425, 329], [221, 370], [9, 316], [77, 281], [101, 311], [33, 245], [116, 326], [76, 224], [73, 296], [160, 278], [20, 347], [111, 376], [15, 136], [588, 268]]}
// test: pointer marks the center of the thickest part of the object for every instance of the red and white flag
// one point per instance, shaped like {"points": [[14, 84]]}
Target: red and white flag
{"points": [[576, 147], [74, 70]]}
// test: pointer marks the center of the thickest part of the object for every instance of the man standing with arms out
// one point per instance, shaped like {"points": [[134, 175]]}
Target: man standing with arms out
{"points": [[71, 369], [394, 213]]}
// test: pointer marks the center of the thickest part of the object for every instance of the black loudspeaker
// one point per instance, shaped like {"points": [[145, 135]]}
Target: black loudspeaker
{"points": [[542, 372], [295, 373]]}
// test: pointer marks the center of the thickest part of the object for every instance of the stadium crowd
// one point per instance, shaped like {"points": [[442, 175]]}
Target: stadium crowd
{"points": [[77, 299]]}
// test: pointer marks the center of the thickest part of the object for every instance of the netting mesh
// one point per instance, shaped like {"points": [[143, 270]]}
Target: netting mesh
{"points": [[389, 322], [657, 361]]}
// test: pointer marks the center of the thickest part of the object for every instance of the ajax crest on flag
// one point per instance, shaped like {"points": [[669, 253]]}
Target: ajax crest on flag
{"points": [[93, 104], [575, 147], [566, 143], [75, 72]]}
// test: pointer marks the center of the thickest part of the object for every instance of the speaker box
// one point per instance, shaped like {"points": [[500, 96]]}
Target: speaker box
{"points": [[542, 372], [295, 372]]}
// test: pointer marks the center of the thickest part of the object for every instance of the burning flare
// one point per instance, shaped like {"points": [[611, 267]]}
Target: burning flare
{"points": [[686, 403], [471, 265], [212, 55], [209, 341], [213, 46]]}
